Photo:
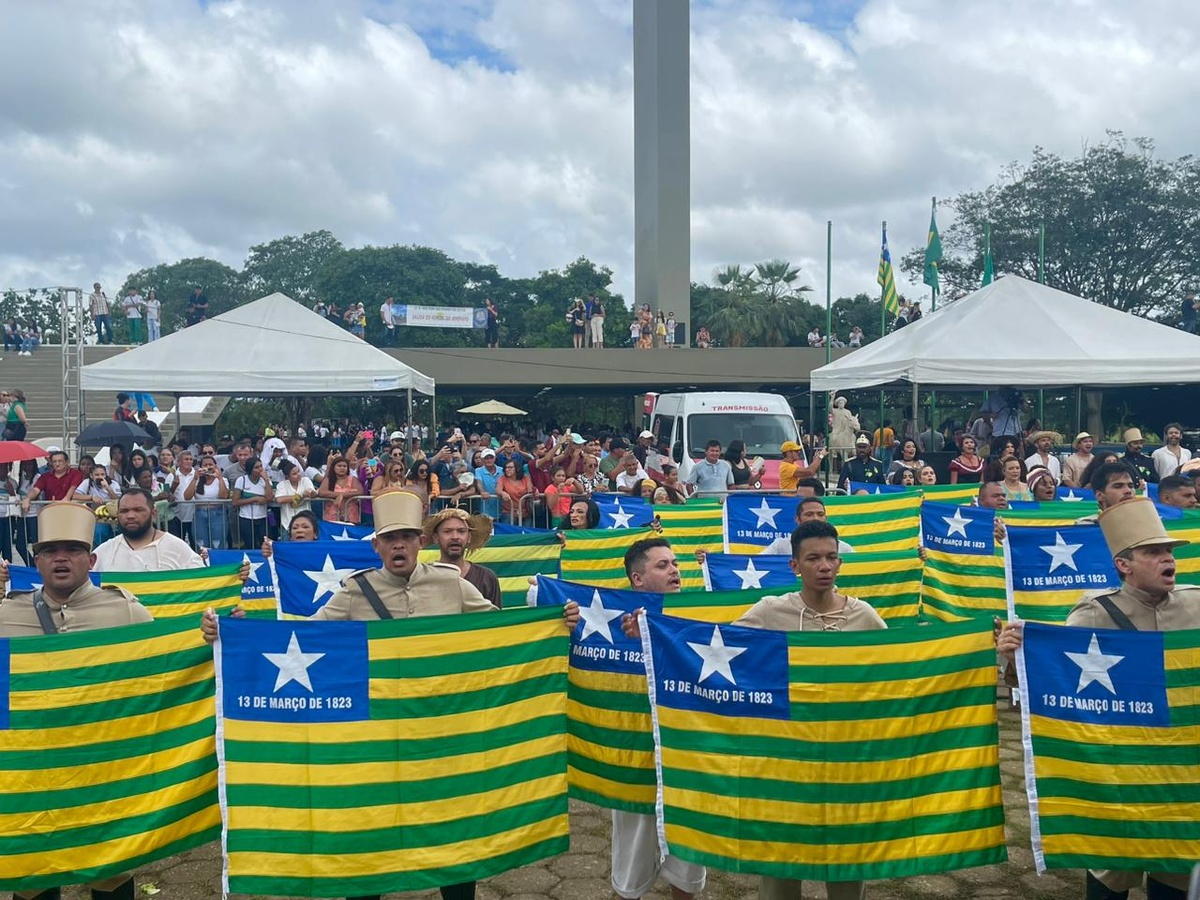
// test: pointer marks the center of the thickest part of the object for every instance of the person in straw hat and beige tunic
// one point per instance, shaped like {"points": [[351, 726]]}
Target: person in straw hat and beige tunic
{"points": [[1148, 600], [67, 601]]}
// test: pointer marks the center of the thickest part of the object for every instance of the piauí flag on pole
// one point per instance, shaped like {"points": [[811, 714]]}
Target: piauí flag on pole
{"points": [[887, 278], [826, 755], [1049, 569], [933, 253], [259, 586], [307, 573], [106, 752], [364, 758], [1112, 762], [623, 511]]}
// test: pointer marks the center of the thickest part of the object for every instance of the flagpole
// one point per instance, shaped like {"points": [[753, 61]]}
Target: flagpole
{"points": [[1042, 280], [932, 292], [828, 326], [882, 332]]}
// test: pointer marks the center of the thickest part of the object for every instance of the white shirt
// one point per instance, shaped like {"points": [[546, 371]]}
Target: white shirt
{"points": [[1165, 462], [131, 305], [385, 313], [782, 546], [250, 489], [1053, 465], [184, 511], [153, 309], [625, 480], [284, 492], [166, 553]]}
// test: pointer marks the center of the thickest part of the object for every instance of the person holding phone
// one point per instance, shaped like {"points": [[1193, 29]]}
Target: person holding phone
{"points": [[96, 491], [207, 491]]}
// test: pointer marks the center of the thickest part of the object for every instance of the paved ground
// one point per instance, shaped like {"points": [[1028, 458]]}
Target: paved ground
{"points": [[582, 874]]}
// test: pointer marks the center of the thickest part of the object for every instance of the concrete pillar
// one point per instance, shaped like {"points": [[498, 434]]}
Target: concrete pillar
{"points": [[662, 158]]}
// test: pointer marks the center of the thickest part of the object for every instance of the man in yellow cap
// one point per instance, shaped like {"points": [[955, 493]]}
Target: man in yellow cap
{"points": [[1148, 600], [67, 601], [794, 467]]}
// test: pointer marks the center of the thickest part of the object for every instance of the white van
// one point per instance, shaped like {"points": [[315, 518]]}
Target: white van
{"points": [[686, 422]]}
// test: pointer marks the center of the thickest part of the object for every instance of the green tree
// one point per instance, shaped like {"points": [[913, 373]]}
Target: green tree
{"points": [[1122, 226], [40, 306], [175, 282], [758, 306], [549, 296], [289, 265]]}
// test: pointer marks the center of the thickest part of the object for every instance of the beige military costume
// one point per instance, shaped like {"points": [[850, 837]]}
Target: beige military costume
{"points": [[788, 612], [1127, 525], [431, 590], [87, 608]]}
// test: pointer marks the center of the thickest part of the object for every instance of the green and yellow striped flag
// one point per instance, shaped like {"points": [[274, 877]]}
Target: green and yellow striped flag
{"points": [[370, 757], [830, 756], [1112, 747], [950, 493], [877, 522], [698, 523], [106, 752], [886, 279], [514, 558], [957, 586], [188, 592], [596, 556]]}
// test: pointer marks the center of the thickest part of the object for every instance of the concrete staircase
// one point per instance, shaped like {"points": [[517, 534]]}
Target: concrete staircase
{"points": [[41, 378]]}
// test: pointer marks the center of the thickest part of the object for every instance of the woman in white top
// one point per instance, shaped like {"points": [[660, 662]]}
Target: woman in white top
{"points": [[26, 526], [252, 493], [153, 315], [293, 493], [208, 523]]}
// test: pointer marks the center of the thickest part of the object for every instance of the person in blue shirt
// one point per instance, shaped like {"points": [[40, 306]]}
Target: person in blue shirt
{"points": [[486, 477]]}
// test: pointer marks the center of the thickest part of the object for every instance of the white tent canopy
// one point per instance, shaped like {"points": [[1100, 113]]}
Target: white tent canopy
{"points": [[1020, 333], [271, 347]]}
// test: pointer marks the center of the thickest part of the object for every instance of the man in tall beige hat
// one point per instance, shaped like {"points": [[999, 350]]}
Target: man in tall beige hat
{"points": [[1148, 600], [67, 601], [403, 588], [1133, 456]]}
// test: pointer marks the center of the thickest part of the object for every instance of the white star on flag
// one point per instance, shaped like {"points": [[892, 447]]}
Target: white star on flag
{"points": [[620, 517], [293, 665], [751, 577], [254, 567], [878, 490], [327, 578], [344, 536], [956, 523], [596, 617], [716, 657], [1061, 553], [766, 514], [1071, 498], [1094, 666]]}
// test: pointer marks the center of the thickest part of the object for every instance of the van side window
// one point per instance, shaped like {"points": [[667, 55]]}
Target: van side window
{"points": [[661, 426]]}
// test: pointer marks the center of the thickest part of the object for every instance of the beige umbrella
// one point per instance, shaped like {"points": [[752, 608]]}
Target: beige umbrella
{"points": [[493, 408]]}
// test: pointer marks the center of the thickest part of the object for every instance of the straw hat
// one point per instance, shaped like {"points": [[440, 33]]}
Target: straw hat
{"points": [[397, 511], [1131, 435], [479, 525], [1082, 436], [65, 521], [1134, 523], [1054, 436]]}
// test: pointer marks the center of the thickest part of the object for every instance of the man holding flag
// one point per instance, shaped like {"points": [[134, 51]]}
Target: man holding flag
{"points": [[67, 601], [1148, 600]]}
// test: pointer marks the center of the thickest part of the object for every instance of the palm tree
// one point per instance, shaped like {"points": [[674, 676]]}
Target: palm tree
{"points": [[780, 296]]}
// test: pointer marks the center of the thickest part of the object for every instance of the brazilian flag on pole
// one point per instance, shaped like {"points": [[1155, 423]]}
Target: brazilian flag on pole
{"points": [[887, 278], [933, 252]]}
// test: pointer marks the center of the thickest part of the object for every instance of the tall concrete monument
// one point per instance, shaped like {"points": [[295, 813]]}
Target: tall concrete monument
{"points": [[662, 158]]}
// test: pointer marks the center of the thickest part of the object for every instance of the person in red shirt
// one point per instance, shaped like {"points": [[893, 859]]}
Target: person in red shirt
{"points": [[57, 484], [123, 412]]}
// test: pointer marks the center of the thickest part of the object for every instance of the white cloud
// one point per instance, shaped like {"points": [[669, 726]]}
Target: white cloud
{"points": [[133, 134]]}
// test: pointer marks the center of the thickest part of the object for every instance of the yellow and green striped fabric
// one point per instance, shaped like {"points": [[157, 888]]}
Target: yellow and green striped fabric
{"points": [[956, 586], [107, 759], [1120, 796], [950, 493], [514, 558], [188, 592], [877, 523], [882, 763], [596, 556], [458, 773], [688, 527]]}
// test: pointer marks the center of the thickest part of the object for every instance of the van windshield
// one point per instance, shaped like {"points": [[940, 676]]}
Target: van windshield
{"points": [[763, 433]]}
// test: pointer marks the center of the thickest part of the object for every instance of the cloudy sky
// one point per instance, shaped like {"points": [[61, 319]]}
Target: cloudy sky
{"points": [[133, 133]]}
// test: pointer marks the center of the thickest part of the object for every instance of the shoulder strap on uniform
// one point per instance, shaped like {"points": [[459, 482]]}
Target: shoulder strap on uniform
{"points": [[372, 596], [43, 613], [1119, 618]]}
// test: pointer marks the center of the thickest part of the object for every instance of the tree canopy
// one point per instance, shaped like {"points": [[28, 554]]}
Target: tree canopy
{"points": [[1121, 226]]}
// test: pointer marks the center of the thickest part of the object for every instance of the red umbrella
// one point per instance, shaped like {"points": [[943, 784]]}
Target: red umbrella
{"points": [[16, 451]]}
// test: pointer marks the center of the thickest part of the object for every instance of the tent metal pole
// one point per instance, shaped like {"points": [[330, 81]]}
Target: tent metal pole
{"points": [[812, 414], [916, 413], [409, 421], [433, 414], [178, 417], [1078, 408]]}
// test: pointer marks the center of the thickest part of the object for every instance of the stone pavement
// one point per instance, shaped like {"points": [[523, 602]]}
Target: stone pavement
{"points": [[582, 873]]}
